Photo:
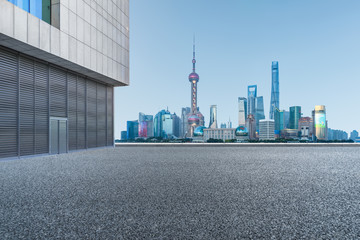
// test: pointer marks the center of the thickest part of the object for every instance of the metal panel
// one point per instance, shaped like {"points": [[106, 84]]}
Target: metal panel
{"points": [[41, 108], [91, 114], [8, 104], [72, 83], [58, 99], [81, 113], [109, 105], [101, 115], [54, 131], [27, 109]]}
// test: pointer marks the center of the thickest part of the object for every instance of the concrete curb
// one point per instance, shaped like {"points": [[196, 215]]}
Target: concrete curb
{"points": [[237, 145]]}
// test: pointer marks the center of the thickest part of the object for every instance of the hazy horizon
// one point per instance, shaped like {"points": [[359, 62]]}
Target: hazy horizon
{"points": [[316, 45]]}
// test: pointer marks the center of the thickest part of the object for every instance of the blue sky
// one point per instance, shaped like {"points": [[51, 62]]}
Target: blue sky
{"points": [[317, 44]]}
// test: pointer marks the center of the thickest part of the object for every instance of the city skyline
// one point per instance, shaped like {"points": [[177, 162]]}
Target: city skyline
{"points": [[318, 56]]}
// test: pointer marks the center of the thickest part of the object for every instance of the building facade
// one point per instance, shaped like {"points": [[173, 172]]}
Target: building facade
{"points": [[146, 125], [59, 63], [213, 117], [242, 115], [219, 133], [266, 129], [320, 124], [259, 109], [306, 128], [184, 121], [132, 130], [354, 134], [295, 115], [275, 93], [252, 94]]}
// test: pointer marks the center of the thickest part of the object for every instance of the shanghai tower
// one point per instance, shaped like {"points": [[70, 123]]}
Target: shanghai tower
{"points": [[274, 103]]}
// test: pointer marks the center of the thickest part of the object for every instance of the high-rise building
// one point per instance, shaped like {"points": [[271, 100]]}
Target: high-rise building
{"points": [[320, 124], [58, 72], [295, 115], [306, 128], [267, 129], [195, 118], [259, 111], [176, 125], [123, 135], [251, 126], [184, 121], [229, 124], [275, 94], [167, 125], [286, 123], [132, 129], [146, 125], [213, 116], [158, 123], [354, 134], [223, 125], [252, 94], [242, 102]]}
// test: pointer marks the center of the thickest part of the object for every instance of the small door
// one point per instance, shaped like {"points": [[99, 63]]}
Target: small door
{"points": [[54, 131], [62, 136], [58, 139]]}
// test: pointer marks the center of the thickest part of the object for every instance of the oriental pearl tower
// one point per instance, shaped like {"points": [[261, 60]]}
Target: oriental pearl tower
{"points": [[195, 118]]}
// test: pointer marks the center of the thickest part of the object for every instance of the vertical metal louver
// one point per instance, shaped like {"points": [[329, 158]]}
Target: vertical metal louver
{"points": [[81, 113], [101, 115], [91, 114], [41, 108], [27, 106], [109, 105], [72, 113], [8, 104], [58, 103]]}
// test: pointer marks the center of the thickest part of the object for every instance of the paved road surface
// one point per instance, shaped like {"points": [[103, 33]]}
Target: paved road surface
{"points": [[183, 193]]}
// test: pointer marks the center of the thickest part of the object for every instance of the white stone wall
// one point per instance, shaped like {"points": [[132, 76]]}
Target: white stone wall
{"points": [[93, 38]]}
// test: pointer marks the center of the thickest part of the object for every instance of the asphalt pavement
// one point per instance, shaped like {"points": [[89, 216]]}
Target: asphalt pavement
{"points": [[183, 193]]}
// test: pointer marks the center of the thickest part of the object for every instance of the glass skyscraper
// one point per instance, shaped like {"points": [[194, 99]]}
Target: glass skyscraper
{"points": [[213, 116], [252, 94], [259, 111], [274, 103], [132, 129], [295, 115], [242, 102]]}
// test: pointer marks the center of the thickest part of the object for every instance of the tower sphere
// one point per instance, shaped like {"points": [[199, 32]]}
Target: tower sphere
{"points": [[194, 76], [193, 119]]}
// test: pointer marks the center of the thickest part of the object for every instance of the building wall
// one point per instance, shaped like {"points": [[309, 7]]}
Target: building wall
{"points": [[219, 133], [266, 130], [92, 37], [34, 91]]}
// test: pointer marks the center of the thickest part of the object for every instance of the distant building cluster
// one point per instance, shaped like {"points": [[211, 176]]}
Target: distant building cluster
{"points": [[252, 125]]}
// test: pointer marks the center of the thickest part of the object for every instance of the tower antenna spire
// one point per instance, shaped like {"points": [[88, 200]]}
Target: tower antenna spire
{"points": [[194, 61]]}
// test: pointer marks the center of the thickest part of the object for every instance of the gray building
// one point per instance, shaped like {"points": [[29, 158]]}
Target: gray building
{"points": [[59, 64], [267, 129]]}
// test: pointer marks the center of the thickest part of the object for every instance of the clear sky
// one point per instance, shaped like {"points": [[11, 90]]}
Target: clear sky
{"points": [[317, 44]]}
